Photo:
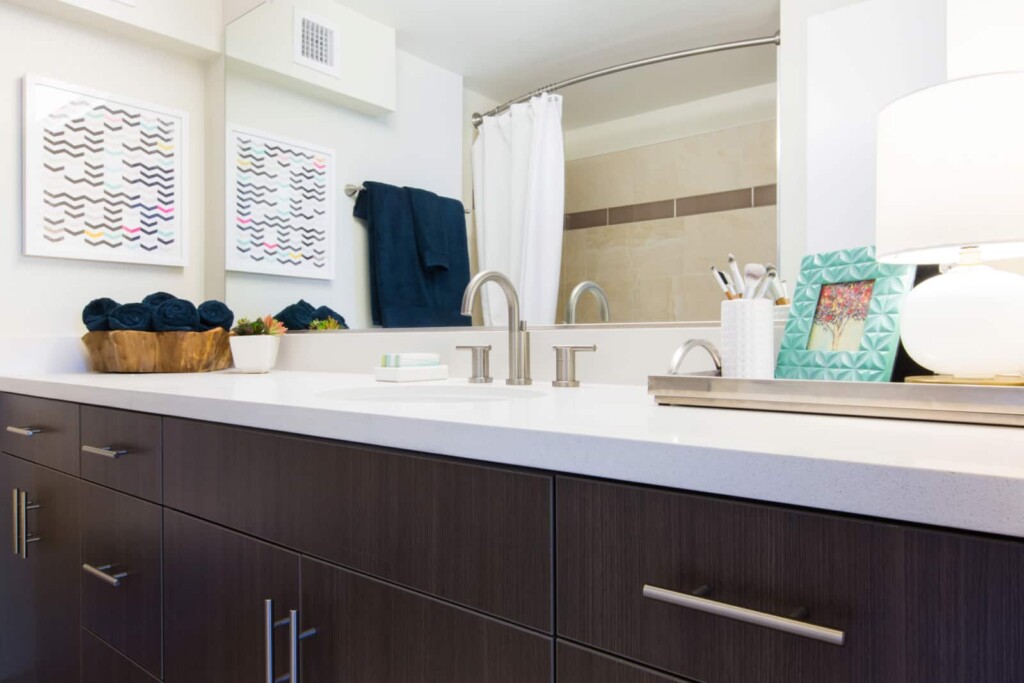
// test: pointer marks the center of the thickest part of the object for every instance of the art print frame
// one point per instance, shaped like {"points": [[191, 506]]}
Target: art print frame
{"points": [[104, 176], [281, 213], [838, 281]]}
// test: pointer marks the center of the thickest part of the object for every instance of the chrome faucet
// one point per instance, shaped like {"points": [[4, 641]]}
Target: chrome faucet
{"points": [[574, 300], [518, 337]]}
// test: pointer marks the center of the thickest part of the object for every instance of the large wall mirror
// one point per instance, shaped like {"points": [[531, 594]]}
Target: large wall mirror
{"points": [[663, 170]]}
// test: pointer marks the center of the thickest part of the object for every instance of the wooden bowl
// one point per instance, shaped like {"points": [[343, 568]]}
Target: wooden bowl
{"points": [[125, 351]]}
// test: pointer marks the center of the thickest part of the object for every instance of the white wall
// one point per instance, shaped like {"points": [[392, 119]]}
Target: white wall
{"points": [[419, 145], [859, 59], [858, 73], [728, 110], [192, 26], [43, 296], [985, 36]]}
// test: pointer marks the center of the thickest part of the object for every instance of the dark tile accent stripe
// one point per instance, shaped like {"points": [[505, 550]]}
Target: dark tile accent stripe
{"points": [[651, 211], [716, 201], [730, 200], [586, 219], [766, 195]]}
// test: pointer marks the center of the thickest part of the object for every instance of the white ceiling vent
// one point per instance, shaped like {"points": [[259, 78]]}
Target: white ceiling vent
{"points": [[316, 44]]}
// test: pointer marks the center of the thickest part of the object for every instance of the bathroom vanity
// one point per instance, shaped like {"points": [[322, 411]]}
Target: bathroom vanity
{"points": [[163, 536]]}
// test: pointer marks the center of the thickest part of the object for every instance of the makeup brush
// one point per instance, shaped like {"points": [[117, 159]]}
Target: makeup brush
{"points": [[752, 272], [734, 270]]}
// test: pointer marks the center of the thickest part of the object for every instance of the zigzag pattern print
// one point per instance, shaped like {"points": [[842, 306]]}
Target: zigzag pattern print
{"points": [[110, 180], [280, 207]]}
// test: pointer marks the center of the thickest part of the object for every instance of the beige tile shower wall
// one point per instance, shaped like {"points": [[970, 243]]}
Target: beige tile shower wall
{"points": [[659, 270]]}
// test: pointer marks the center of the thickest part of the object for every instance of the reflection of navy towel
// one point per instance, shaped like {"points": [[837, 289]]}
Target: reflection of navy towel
{"points": [[325, 312], [297, 316], [404, 291], [429, 216]]}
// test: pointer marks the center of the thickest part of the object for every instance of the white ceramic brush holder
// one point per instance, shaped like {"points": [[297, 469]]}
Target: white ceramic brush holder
{"points": [[748, 342]]}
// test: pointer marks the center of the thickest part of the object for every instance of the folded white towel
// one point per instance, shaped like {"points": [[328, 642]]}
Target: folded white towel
{"points": [[410, 360]]}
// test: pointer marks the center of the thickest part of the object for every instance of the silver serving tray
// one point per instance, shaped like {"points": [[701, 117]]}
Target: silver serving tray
{"points": [[969, 404]]}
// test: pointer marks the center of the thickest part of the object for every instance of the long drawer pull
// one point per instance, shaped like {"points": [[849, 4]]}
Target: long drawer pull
{"points": [[749, 616], [103, 574], [105, 451], [24, 431], [269, 626], [16, 525], [294, 636], [24, 506]]}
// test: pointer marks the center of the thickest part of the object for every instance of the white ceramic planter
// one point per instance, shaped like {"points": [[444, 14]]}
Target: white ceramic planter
{"points": [[255, 353]]}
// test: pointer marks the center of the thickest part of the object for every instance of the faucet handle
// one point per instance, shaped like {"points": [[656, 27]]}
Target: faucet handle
{"points": [[481, 363], [565, 364]]}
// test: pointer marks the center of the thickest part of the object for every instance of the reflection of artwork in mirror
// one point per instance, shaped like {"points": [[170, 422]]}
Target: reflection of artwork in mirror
{"points": [[280, 206], [103, 176], [840, 316]]}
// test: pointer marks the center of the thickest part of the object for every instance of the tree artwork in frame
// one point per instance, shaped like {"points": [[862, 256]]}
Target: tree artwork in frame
{"points": [[844, 322]]}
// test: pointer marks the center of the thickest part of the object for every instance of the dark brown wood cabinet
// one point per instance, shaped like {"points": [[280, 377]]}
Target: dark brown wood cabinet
{"points": [[914, 606], [367, 630], [216, 583], [476, 535], [40, 430], [123, 451], [103, 664], [579, 665], [39, 627], [121, 537]]}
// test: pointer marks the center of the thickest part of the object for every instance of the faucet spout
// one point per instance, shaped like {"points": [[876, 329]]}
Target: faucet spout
{"points": [[518, 337], [574, 301]]}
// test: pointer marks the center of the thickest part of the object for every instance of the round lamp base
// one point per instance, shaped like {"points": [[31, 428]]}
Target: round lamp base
{"points": [[968, 323]]}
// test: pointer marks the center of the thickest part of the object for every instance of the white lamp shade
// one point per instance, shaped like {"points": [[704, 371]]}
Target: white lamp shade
{"points": [[951, 171]]}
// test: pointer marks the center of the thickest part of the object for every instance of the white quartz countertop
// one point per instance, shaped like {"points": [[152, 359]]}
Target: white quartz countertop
{"points": [[959, 476]]}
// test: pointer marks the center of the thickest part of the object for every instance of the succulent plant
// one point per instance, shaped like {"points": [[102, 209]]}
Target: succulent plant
{"points": [[328, 324], [266, 325]]}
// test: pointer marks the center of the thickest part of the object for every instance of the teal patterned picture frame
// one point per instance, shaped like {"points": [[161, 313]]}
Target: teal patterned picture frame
{"points": [[879, 342]]}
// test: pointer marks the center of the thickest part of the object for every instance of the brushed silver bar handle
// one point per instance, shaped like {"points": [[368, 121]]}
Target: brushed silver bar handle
{"points": [[24, 431], [103, 574], [294, 636], [748, 616], [106, 451], [268, 638], [23, 508], [15, 526]]}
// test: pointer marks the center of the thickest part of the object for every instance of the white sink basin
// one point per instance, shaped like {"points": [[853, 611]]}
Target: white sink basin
{"points": [[443, 393]]}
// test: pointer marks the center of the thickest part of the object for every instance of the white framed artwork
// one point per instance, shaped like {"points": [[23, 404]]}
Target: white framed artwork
{"points": [[280, 205], [103, 176]]}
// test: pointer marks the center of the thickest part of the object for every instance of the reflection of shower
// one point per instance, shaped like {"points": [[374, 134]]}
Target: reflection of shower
{"points": [[574, 299]]}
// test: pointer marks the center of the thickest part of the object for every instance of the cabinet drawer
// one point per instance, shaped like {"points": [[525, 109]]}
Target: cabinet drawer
{"points": [[121, 542], [103, 664], [122, 450], [479, 536], [367, 630], [40, 430], [828, 571], [579, 665]]}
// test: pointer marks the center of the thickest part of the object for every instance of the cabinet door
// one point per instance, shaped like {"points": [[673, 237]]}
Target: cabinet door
{"points": [[39, 636], [40, 430], [216, 583], [369, 631], [580, 665], [121, 572], [102, 664]]}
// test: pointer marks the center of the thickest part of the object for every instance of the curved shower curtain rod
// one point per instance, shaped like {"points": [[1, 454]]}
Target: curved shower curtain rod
{"points": [[722, 47]]}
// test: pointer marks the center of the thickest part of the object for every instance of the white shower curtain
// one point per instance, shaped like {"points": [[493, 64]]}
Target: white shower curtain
{"points": [[519, 198]]}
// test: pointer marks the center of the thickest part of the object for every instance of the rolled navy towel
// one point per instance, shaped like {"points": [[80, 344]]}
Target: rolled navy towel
{"points": [[325, 312], [176, 315], [215, 314], [156, 299], [96, 314], [135, 317], [298, 316]]}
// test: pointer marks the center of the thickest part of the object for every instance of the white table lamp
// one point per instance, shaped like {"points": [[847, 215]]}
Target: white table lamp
{"points": [[951, 191]]}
